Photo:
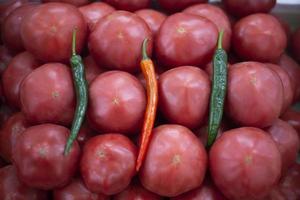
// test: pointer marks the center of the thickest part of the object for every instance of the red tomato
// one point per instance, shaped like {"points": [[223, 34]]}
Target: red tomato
{"points": [[186, 39], [177, 5], [296, 44], [240, 8], [293, 118], [5, 57], [290, 183], [175, 162], [217, 16], [184, 90], [285, 25], [92, 70], [11, 130], [53, 24], [39, 158], [11, 33], [117, 103], [287, 140], [11, 188], [288, 90], [95, 11], [135, 191], [130, 5], [245, 163], [47, 95], [74, 2], [255, 94], [108, 163], [113, 44], [153, 18], [19, 67], [76, 190], [259, 37], [6, 7]]}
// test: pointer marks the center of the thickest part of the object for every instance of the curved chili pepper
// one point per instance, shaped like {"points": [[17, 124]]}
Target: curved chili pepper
{"points": [[80, 84], [148, 70]]}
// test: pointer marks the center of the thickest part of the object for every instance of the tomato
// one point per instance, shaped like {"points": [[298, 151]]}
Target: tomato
{"points": [[53, 24], [117, 103], [290, 183], [108, 163], [8, 6], [287, 140], [288, 90], [296, 44], [241, 8], [259, 37], [39, 158], [175, 162], [19, 67], [47, 95], [12, 188], [95, 11], [74, 2], [285, 25], [177, 5], [255, 94], [293, 118], [5, 57], [76, 190], [185, 39], [92, 69], [185, 90], [11, 130], [113, 45], [217, 16], [153, 18], [245, 163], [130, 5], [11, 33]]}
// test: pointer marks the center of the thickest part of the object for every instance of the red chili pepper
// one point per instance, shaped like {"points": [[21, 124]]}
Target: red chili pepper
{"points": [[148, 70]]}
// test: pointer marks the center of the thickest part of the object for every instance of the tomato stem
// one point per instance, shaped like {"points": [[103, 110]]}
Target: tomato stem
{"points": [[144, 49], [74, 42], [220, 39]]}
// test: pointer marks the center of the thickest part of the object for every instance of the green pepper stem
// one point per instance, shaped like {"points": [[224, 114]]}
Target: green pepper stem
{"points": [[74, 42], [220, 39], [144, 49]]}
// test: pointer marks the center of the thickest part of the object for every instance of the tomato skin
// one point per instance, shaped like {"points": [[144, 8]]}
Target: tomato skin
{"points": [[180, 33], [54, 33], [76, 190], [296, 44], [186, 90], [39, 149], [92, 69], [73, 2], [53, 101], [245, 163], [259, 37], [7, 7], [175, 162], [11, 130], [19, 67], [129, 5], [113, 45], [12, 188], [116, 155], [255, 94], [177, 5]]}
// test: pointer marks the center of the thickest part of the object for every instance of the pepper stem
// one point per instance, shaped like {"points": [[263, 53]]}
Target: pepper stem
{"points": [[220, 39], [144, 49], [74, 42]]}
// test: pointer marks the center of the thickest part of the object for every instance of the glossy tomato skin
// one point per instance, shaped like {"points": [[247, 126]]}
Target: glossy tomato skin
{"points": [[241, 8], [92, 69], [53, 24], [293, 118], [47, 95], [73, 2], [113, 45], [11, 33], [95, 11], [185, 39], [259, 37], [245, 163], [130, 5], [19, 67], [117, 103], [296, 44], [255, 94], [8, 6], [175, 162], [153, 18], [185, 90], [116, 155], [217, 16], [11, 130], [39, 157], [76, 190], [177, 5], [12, 188]]}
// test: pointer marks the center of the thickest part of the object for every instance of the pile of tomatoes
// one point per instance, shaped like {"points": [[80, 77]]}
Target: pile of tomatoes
{"points": [[255, 154]]}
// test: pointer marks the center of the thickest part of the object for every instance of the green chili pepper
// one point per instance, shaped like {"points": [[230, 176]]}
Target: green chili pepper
{"points": [[219, 85], [80, 84]]}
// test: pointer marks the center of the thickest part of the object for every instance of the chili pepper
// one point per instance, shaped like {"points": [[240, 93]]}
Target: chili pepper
{"points": [[219, 87], [148, 70], [80, 84]]}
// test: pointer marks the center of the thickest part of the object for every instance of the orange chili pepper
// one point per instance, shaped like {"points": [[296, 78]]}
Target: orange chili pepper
{"points": [[148, 70]]}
